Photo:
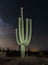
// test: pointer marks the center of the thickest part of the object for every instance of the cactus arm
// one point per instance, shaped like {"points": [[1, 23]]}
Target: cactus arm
{"points": [[19, 28], [26, 30], [22, 24], [30, 33], [22, 13], [17, 37]]}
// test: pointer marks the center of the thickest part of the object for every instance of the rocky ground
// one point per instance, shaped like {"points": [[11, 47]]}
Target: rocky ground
{"points": [[26, 61]]}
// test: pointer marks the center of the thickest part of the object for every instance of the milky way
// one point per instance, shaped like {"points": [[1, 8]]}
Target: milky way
{"points": [[7, 36]]}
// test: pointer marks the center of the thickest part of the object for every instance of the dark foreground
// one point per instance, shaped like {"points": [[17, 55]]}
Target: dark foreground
{"points": [[26, 61]]}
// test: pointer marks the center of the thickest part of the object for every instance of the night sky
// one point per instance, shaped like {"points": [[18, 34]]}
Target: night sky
{"points": [[34, 9]]}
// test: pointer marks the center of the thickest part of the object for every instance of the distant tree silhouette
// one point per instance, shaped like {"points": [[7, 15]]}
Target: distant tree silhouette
{"points": [[7, 50], [3, 50], [28, 50], [0, 49], [41, 54], [19, 48]]}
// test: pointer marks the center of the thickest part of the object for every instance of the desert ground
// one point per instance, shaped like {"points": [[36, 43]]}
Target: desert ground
{"points": [[26, 61]]}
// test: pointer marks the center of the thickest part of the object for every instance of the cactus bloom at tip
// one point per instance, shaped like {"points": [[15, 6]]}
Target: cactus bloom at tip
{"points": [[23, 39]]}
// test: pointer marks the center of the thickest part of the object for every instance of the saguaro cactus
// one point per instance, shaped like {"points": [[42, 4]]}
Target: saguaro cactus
{"points": [[23, 39]]}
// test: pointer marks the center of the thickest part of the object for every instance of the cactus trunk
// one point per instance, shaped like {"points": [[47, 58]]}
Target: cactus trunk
{"points": [[22, 51]]}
